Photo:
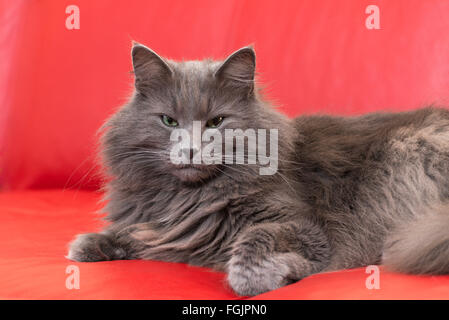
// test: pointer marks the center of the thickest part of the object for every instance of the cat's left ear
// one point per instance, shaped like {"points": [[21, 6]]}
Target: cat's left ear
{"points": [[151, 71], [238, 70]]}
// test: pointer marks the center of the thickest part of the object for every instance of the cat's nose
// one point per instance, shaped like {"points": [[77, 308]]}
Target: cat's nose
{"points": [[189, 153]]}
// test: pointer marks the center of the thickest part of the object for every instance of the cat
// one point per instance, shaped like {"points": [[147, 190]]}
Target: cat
{"points": [[348, 191]]}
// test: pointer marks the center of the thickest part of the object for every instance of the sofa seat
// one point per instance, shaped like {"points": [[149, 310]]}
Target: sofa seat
{"points": [[36, 226]]}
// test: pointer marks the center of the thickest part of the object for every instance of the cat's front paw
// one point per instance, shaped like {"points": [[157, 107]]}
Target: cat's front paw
{"points": [[92, 247], [254, 279]]}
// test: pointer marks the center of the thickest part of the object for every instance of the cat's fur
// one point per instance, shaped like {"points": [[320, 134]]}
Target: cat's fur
{"points": [[349, 192]]}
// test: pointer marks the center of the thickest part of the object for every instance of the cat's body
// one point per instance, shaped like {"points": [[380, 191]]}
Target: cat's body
{"points": [[348, 191], [367, 176]]}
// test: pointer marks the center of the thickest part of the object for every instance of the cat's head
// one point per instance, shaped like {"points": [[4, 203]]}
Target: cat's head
{"points": [[170, 96]]}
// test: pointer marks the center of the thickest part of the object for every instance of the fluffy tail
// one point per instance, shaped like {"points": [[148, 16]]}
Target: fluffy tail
{"points": [[420, 246]]}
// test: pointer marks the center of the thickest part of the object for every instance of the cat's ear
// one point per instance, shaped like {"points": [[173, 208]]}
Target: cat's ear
{"points": [[150, 70], [238, 70]]}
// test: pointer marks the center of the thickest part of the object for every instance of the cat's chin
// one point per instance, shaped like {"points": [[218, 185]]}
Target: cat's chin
{"points": [[193, 173]]}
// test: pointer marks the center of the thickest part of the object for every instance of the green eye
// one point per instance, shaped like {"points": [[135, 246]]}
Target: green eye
{"points": [[169, 122], [215, 122]]}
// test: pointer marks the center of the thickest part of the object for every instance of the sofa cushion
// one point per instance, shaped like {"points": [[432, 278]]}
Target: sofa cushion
{"points": [[57, 86], [36, 226]]}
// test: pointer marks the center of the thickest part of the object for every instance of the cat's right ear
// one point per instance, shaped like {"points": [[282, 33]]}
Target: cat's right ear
{"points": [[238, 70], [150, 70]]}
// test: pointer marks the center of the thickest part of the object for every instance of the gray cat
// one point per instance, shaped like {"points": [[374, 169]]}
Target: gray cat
{"points": [[348, 192]]}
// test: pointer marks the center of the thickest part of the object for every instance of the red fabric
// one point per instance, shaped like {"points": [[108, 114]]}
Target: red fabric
{"points": [[37, 225], [314, 56], [58, 86], [35, 229], [350, 284]]}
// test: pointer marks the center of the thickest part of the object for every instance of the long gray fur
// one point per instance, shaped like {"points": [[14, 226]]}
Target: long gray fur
{"points": [[349, 191]]}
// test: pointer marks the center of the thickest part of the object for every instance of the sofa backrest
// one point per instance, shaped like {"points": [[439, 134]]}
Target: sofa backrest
{"points": [[57, 86]]}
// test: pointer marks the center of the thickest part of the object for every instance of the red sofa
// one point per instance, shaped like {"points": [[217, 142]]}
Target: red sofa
{"points": [[57, 86]]}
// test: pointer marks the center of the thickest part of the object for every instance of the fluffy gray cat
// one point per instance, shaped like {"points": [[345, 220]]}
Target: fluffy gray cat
{"points": [[348, 192]]}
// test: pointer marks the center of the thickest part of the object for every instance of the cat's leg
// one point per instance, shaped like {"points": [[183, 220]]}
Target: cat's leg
{"points": [[108, 245], [270, 255]]}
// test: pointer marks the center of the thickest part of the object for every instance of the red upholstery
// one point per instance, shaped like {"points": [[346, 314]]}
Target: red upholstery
{"points": [[35, 230], [37, 225], [57, 86]]}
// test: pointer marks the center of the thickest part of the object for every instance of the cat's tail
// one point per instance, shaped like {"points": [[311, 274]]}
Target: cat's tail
{"points": [[420, 246]]}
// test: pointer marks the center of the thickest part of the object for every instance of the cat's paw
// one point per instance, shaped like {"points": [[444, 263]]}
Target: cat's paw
{"points": [[92, 247], [253, 279]]}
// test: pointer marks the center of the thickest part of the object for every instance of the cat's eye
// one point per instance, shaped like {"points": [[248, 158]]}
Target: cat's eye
{"points": [[215, 122], [168, 121]]}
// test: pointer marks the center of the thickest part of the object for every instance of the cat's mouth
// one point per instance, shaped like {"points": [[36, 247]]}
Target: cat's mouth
{"points": [[193, 172], [190, 166]]}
